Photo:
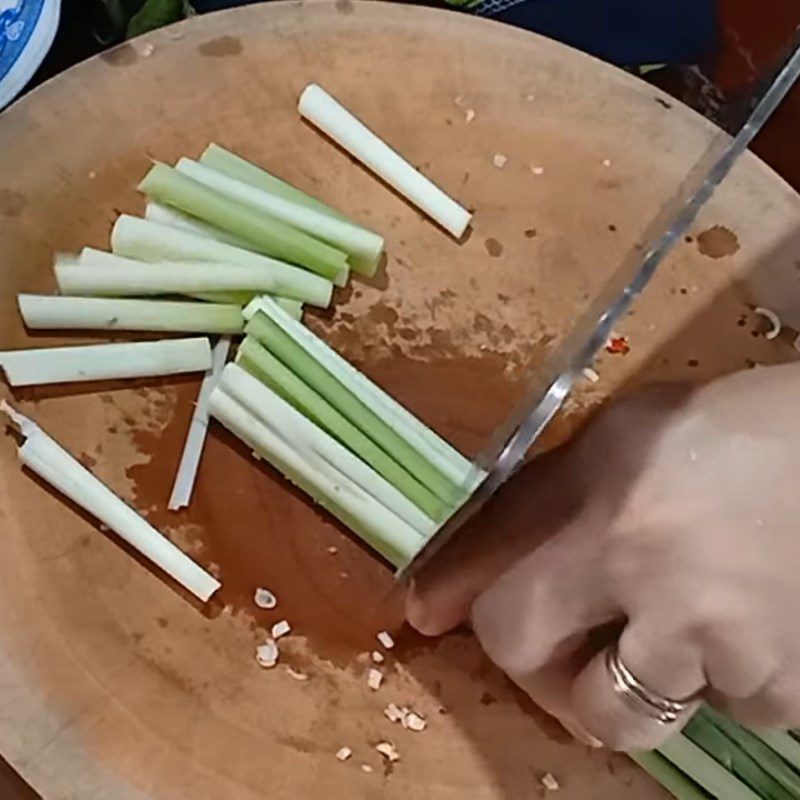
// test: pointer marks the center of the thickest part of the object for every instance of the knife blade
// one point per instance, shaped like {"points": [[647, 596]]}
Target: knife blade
{"points": [[546, 394]]}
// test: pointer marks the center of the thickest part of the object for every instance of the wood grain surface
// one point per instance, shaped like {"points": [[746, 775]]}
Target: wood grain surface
{"points": [[115, 684]]}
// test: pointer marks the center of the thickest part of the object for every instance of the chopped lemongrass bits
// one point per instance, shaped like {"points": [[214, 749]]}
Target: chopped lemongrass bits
{"points": [[296, 674], [388, 751], [377, 657], [550, 783], [333, 550], [414, 722], [343, 753], [773, 319], [374, 679], [499, 160], [267, 654], [469, 115], [264, 598], [281, 629], [537, 170], [366, 768], [385, 638], [591, 374], [395, 714]]}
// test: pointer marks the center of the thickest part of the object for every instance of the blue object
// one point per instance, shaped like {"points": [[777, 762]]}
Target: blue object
{"points": [[624, 32]]}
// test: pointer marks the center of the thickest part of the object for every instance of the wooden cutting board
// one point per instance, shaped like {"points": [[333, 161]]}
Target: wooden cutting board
{"points": [[114, 684]]}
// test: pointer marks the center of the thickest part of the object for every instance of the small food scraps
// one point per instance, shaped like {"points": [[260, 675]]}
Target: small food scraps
{"points": [[469, 115], [267, 654], [591, 374], [344, 753], [296, 674], [395, 714], [377, 657], [499, 160], [374, 679], [618, 346], [607, 162], [333, 550], [537, 170], [550, 783], [773, 319], [366, 768], [388, 751], [414, 722], [264, 598], [281, 629], [385, 638]]}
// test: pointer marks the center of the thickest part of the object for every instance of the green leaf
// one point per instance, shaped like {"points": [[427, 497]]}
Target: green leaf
{"points": [[155, 14]]}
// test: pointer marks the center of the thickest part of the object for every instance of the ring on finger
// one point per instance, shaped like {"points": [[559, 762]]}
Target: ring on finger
{"points": [[640, 698]]}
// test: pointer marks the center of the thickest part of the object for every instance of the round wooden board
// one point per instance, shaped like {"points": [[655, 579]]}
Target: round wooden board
{"points": [[113, 683]]}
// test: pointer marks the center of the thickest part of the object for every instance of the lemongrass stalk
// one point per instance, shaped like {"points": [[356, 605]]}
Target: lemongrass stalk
{"points": [[364, 248], [45, 312], [196, 438], [56, 466], [272, 237], [323, 111], [294, 308], [109, 275], [428, 443], [283, 345], [144, 240], [334, 490], [97, 362], [172, 218], [784, 744], [669, 776], [695, 763], [263, 365], [235, 166], [264, 403]]}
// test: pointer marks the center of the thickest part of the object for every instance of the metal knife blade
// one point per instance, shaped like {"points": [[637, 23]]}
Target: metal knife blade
{"points": [[546, 394]]}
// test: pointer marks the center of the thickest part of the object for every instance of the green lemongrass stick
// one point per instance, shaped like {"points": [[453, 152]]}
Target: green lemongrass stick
{"points": [[196, 438], [695, 763], [172, 218], [56, 466], [261, 401], [428, 443], [364, 248], [144, 240], [763, 755], [266, 367], [334, 490], [731, 755], [281, 343], [168, 186], [105, 361], [294, 308], [669, 776], [114, 276], [323, 111], [45, 312], [230, 164], [784, 744]]}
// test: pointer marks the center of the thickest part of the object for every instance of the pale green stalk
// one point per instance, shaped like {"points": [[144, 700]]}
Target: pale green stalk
{"points": [[669, 776]]}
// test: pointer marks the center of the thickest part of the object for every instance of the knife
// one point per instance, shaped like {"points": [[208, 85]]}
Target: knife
{"points": [[545, 395]]}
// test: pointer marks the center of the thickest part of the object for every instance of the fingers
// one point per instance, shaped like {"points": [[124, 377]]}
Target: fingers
{"points": [[525, 512], [664, 660]]}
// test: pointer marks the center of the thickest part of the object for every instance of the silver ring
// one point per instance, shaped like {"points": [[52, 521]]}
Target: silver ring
{"points": [[639, 698]]}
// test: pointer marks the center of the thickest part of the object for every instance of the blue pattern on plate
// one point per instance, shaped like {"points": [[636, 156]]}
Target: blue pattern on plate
{"points": [[18, 18]]}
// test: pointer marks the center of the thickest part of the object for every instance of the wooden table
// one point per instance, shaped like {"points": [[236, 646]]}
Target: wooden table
{"points": [[113, 683]]}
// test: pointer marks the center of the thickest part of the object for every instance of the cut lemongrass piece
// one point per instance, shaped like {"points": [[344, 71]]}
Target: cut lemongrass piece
{"points": [[97, 362], [45, 312], [261, 401], [234, 166], [784, 744], [108, 275], [164, 215], [294, 308], [364, 248], [323, 111], [281, 343], [429, 444], [669, 776], [56, 466], [270, 236], [303, 462], [196, 438], [144, 240], [272, 372]]}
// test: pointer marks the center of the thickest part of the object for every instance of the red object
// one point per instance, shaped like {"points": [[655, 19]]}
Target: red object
{"points": [[618, 346]]}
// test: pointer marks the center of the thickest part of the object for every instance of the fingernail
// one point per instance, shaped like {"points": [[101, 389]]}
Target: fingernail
{"points": [[580, 734]]}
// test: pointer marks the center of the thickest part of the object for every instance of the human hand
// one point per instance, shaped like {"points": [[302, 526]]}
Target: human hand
{"points": [[673, 518]]}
